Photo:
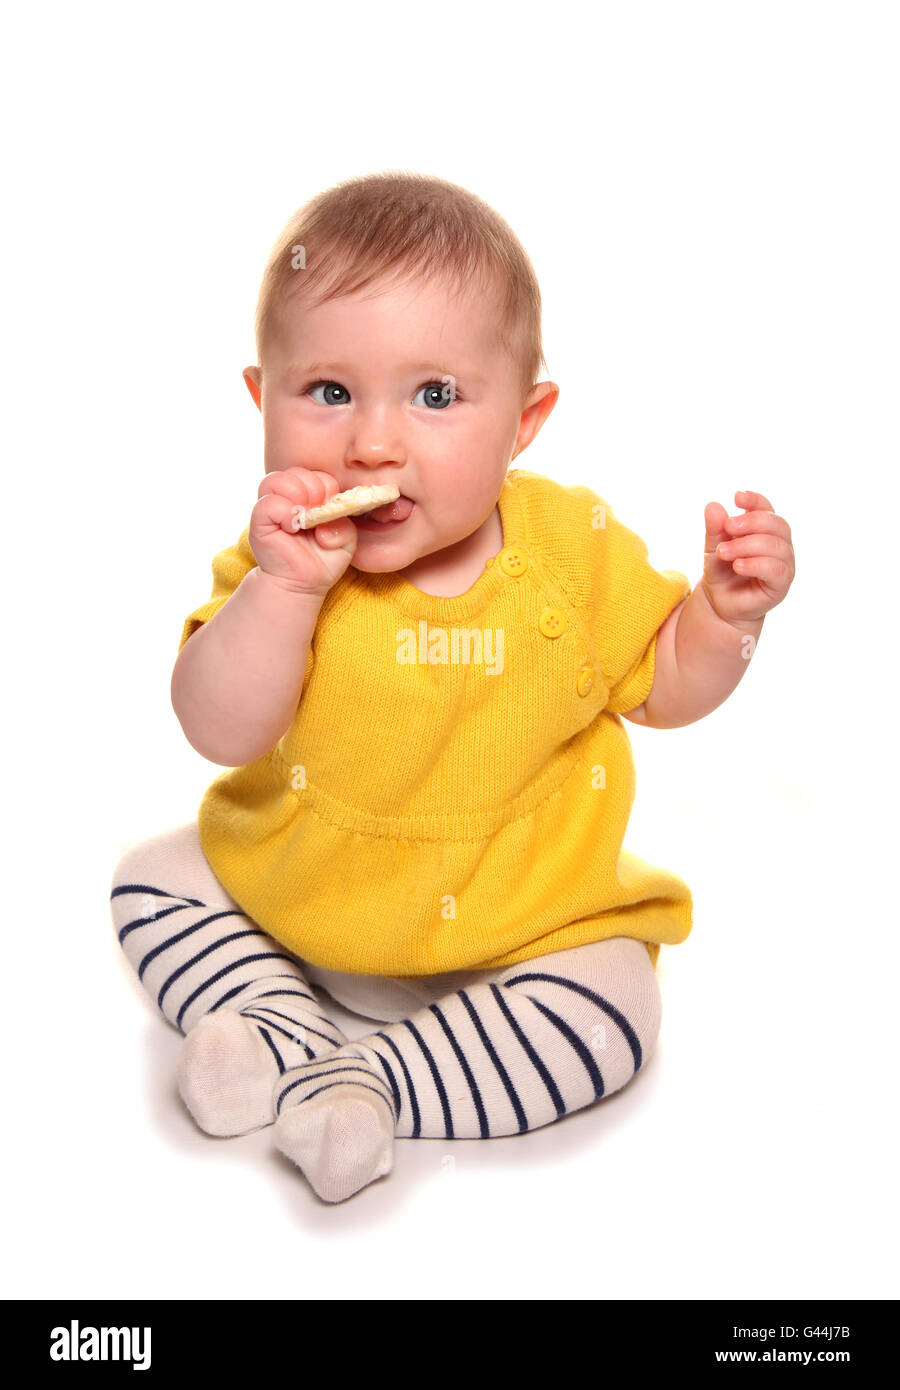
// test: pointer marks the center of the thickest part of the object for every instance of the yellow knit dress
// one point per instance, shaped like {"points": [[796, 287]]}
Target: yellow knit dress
{"points": [[455, 786]]}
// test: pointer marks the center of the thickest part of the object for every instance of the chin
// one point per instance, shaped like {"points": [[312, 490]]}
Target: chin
{"points": [[373, 567]]}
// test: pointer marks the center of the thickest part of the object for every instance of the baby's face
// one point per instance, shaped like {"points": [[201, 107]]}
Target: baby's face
{"points": [[410, 388]]}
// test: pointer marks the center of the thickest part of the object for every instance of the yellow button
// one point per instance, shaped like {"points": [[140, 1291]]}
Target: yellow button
{"points": [[585, 683], [513, 560], [552, 622]]}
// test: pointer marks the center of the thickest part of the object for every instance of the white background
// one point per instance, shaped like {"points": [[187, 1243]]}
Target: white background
{"points": [[709, 195]]}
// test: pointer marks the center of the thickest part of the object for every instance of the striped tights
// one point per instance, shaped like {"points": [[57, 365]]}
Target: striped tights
{"points": [[509, 1051]]}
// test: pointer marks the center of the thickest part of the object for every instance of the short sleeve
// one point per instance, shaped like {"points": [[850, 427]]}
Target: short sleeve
{"points": [[228, 569], [633, 602]]}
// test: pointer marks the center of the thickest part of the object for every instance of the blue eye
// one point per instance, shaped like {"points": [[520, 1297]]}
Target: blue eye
{"points": [[331, 386], [438, 394]]}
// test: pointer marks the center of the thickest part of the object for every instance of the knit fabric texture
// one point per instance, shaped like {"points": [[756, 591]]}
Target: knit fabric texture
{"points": [[454, 789]]}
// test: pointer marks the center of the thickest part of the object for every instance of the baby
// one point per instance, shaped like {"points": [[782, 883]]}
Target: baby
{"points": [[420, 710]]}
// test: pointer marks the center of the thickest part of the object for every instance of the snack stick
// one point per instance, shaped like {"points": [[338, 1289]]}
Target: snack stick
{"points": [[353, 502]]}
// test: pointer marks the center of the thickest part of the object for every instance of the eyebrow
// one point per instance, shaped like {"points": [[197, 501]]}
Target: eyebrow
{"points": [[425, 368]]}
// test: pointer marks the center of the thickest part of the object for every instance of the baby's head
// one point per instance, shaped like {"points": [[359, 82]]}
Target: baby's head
{"points": [[398, 334]]}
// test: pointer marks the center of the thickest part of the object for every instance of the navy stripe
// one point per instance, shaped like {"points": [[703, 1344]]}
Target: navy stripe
{"points": [[299, 993], [542, 1070], [207, 950], [148, 888], [276, 1013], [226, 970], [501, 1070], [461, 1058], [391, 1078], [619, 1019], [435, 1076], [299, 1023], [276, 1053], [331, 1069], [417, 1119], [244, 986], [580, 1047], [292, 1037], [342, 1083], [173, 941], [157, 916]]}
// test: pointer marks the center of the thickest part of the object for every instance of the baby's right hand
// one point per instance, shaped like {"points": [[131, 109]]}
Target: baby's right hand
{"points": [[305, 561]]}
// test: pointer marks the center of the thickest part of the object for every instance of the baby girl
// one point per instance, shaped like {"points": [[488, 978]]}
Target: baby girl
{"points": [[420, 713]]}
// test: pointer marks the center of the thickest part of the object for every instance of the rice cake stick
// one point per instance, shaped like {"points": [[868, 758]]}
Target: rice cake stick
{"points": [[354, 502]]}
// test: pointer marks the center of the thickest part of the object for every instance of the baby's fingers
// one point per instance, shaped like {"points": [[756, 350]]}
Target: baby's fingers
{"points": [[755, 546], [305, 487], [330, 535], [274, 512]]}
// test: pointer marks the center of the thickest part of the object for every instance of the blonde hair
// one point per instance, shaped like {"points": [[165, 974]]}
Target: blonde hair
{"points": [[374, 225]]}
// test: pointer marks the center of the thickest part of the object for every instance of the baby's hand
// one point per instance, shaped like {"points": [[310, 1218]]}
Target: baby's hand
{"points": [[748, 562], [305, 561]]}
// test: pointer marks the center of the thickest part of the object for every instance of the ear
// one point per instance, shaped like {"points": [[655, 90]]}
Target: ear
{"points": [[253, 378], [538, 404]]}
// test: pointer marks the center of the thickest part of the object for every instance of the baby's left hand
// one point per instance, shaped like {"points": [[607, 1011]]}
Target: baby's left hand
{"points": [[748, 561]]}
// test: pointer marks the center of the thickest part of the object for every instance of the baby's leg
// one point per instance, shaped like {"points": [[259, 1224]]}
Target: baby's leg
{"points": [[515, 1050], [241, 999]]}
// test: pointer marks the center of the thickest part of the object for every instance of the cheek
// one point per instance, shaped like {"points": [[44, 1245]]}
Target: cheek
{"points": [[467, 500], [291, 443]]}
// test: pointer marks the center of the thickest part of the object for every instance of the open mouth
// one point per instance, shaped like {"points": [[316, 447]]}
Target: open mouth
{"points": [[388, 514]]}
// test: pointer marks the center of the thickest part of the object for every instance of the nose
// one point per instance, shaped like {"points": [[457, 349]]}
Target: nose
{"points": [[376, 441], [370, 459]]}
